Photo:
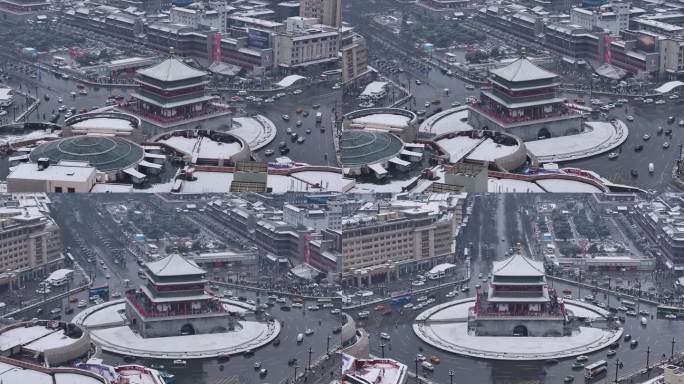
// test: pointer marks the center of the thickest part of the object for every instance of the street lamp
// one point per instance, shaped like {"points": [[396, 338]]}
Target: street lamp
{"points": [[672, 350], [451, 376], [327, 346], [309, 365], [618, 365], [382, 346], [296, 366], [417, 369]]}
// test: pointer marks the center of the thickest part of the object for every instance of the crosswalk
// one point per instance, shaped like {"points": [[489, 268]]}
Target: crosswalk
{"points": [[227, 380]]}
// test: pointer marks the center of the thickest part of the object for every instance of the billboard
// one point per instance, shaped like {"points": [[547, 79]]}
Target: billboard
{"points": [[646, 42], [258, 39]]}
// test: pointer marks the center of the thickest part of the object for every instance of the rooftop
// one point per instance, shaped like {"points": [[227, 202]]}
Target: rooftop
{"points": [[174, 265], [367, 147], [171, 69], [523, 70], [29, 171], [103, 153], [518, 265]]}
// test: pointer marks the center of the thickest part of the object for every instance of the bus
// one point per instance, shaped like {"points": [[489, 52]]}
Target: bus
{"points": [[663, 310], [401, 297], [450, 57], [59, 277], [628, 304], [439, 271], [595, 370]]}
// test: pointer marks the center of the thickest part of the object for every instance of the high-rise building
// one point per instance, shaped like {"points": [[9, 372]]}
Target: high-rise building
{"points": [[305, 43], [328, 12], [354, 54]]}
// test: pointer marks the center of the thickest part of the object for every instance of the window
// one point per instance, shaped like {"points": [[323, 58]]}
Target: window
{"points": [[71, 190], [58, 189]]}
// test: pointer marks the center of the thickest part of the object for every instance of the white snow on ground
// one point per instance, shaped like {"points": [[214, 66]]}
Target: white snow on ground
{"points": [[454, 337], [72, 378], [203, 146], [329, 181], [25, 376], [510, 185], [447, 121], [283, 183], [54, 340], [22, 335], [490, 151], [257, 131], [105, 123], [600, 137], [33, 135], [392, 186], [208, 182], [562, 185], [105, 316], [383, 119], [458, 147], [4, 367], [122, 340]]}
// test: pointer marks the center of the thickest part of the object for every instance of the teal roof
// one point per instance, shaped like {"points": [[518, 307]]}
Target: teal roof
{"points": [[103, 153], [368, 147]]}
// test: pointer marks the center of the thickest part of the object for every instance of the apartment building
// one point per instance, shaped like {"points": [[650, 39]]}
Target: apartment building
{"points": [[613, 17], [354, 54], [215, 18]]}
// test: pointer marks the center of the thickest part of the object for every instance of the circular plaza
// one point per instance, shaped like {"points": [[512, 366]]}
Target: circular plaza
{"points": [[107, 325], [446, 327]]}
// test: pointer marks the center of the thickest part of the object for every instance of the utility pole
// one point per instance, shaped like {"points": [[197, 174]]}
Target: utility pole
{"points": [[295, 372], [327, 346], [617, 367], [648, 355], [672, 350], [579, 285], [382, 346], [417, 369], [309, 365]]}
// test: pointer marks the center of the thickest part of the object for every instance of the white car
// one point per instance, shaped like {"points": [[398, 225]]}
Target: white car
{"points": [[363, 314], [420, 357], [313, 308], [268, 152], [661, 101], [674, 96], [451, 294], [630, 118], [82, 303], [408, 306], [422, 298], [285, 117], [297, 305], [335, 311], [251, 302], [648, 101], [296, 91], [384, 336]]}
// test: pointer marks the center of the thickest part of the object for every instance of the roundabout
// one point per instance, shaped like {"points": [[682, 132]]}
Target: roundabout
{"points": [[446, 327], [107, 326]]}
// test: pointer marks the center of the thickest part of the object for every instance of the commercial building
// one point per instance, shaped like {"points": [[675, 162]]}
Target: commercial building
{"points": [[305, 43], [613, 17], [328, 12], [366, 371], [664, 224], [401, 237], [214, 18], [21, 10], [471, 177], [30, 242], [65, 176]]}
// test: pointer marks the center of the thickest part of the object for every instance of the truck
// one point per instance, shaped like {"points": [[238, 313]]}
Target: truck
{"points": [[319, 117]]}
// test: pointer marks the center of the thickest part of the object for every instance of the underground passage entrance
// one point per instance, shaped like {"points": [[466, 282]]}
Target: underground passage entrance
{"points": [[187, 329]]}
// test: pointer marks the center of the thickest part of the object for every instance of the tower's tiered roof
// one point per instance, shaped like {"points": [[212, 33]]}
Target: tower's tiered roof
{"points": [[523, 70], [170, 70], [518, 265], [174, 265]]}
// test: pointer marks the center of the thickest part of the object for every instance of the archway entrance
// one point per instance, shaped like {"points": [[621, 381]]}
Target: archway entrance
{"points": [[520, 330], [543, 133], [187, 329]]}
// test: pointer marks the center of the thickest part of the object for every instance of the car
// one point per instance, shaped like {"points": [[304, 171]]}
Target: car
{"points": [[301, 139], [336, 86], [335, 311], [55, 310], [674, 96], [309, 332], [668, 132], [418, 283], [660, 101], [666, 145], [316, 106], [422, 298], [82, 303], [427, 104], [646, 136], [408, 306], [292, 361], [284, 151], [297, 91], [648, 101], [379, 307], [263, 372], [268, 152], [451, 294], [629, 118], [285, 117], [418, 82], [384, 336], [420, 357], [613, 155], [638, 148], [634, 173], [313, 308]]}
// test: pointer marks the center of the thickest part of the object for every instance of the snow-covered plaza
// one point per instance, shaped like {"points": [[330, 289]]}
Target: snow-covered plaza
{"points": [[446, 327]]}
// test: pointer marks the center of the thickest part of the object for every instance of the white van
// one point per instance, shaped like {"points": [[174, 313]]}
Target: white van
{"points": [[651, 168], [300, 337], [427, 366]]}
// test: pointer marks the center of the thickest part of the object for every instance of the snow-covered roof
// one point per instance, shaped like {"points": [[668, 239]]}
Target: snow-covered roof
{"points": [[523, 70], [171, 70], [174, 265], [518, 265], [288, 81]]}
